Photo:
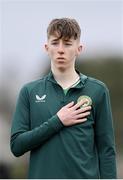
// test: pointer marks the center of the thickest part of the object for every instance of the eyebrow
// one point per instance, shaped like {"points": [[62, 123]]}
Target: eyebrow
{"points": [[63, 40], [68, 40], [54, 40]]}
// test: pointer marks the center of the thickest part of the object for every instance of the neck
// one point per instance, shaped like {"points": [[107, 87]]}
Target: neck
{"points": [[65, 78]]}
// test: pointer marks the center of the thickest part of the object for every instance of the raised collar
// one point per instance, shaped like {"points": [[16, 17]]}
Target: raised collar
{"points": [[83, 79]]}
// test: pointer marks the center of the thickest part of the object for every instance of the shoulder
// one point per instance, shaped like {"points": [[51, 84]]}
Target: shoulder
{"points": [[33, 85], [94, 85]]}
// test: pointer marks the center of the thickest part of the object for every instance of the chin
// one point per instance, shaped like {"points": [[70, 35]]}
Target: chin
{"points": [[61, 68]]}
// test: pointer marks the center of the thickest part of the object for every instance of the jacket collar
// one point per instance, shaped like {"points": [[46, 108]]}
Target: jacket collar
{"points": [[83, 79]]}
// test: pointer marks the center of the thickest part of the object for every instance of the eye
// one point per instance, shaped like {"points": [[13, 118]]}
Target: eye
{"points": [[68, 44], [54, 43]]}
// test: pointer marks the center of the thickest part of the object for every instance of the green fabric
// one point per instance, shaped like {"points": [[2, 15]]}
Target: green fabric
{"points": [[82, 151], [67, 89]]}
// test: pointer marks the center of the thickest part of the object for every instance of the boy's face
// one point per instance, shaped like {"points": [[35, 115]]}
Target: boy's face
{"points": [[62, 52]]}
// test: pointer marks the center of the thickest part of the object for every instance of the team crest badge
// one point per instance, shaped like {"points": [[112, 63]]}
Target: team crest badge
{"points": [[88, 100]]}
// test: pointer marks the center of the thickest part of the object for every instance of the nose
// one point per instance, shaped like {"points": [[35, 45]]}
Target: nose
{"points": [[60, 49]]}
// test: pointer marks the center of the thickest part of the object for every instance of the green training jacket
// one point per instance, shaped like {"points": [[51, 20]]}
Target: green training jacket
{"points": [[81, 151]]}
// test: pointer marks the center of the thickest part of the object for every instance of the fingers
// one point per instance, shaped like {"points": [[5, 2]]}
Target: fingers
{"points": [[79, 104], [83, 115], [69, 105], [78, 111], [81, 120]]}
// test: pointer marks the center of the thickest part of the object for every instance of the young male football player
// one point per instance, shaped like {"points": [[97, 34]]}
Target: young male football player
{"points": [[64, 119]]}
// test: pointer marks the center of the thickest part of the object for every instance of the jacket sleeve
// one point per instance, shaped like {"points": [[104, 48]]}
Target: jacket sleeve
{"points": [[24, 139], [104, 136]]}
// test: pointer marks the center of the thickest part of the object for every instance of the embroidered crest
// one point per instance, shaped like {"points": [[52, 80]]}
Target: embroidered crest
{"points": [[88, 100]]}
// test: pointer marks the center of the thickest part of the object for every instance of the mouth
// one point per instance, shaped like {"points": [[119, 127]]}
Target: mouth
{"points": [[61, 58]]}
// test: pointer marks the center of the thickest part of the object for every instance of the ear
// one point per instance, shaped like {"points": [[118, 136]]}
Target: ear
{"points": [[46, 47], [79, 49]]}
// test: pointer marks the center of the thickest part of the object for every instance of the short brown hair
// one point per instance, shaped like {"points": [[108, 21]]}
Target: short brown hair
{"points": [[65, 28]]}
